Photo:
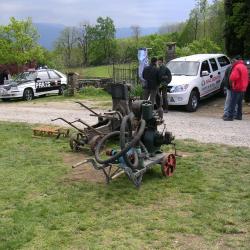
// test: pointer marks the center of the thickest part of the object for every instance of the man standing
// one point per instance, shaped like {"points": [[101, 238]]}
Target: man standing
{"points": [[239, 81], [165, 78], [225, 83], [151, 75], [3, 76]]}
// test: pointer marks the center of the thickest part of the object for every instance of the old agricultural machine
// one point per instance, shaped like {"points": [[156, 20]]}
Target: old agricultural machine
{"points": [[106, 122], [126, 139]]}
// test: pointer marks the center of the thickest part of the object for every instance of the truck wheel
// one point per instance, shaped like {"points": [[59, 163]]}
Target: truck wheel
{"points": [[28, 95], [193, 101]]}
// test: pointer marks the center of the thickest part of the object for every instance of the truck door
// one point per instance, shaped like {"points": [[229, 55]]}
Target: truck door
{"points": [[216, 75], [205, 79]]}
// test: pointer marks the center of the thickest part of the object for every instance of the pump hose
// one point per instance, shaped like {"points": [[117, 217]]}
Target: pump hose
{"points": [[127, 123], [123, 151]]}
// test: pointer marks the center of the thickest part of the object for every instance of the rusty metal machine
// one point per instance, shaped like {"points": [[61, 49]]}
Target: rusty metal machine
{"points": [[107, 122], [139, 146]]}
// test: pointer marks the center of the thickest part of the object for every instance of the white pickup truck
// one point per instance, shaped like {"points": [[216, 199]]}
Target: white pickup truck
{"points": [[196, 77]]}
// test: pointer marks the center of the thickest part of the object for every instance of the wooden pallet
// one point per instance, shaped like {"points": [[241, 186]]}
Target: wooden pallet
{"points": [[50, 131]]}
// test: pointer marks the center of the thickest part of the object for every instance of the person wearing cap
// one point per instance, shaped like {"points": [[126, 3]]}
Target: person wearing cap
{"points": [[151, 75], [165, 78], [238, 82]]}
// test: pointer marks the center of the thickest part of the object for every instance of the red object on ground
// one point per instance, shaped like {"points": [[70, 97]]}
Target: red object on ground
{"points": [[168, 165]]}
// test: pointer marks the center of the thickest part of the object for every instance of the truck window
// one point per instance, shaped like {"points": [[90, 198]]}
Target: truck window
{"points": [[223, 61], [205, 67], [213, 64]]}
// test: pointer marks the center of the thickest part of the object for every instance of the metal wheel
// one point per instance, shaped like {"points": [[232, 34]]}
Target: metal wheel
{"points": [[28, 94], [168, 165], [75, 142]]}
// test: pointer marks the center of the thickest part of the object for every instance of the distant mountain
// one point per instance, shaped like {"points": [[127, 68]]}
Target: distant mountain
{"points": [[50, 32], [127, 32]]}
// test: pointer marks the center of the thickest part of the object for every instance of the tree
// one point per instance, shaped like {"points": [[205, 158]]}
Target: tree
{"points": [[103, 34], [203, 4], [66, 44], [237, 27], [18, 42], [84, 40], [190, 30], [136, 30]]}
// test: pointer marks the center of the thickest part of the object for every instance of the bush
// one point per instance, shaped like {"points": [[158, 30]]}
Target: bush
{"points": [[199, 47], [93, 92], [136, 90]]}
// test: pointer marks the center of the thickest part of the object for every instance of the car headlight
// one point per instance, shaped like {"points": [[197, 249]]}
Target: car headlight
{"points": [[14, 87], [179, 88]]}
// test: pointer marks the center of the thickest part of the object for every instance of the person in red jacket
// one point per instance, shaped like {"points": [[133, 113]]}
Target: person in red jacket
{"points": [[239, 81]]}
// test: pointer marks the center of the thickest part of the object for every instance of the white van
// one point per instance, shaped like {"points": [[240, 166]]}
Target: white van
{"points": [[196, 77]]}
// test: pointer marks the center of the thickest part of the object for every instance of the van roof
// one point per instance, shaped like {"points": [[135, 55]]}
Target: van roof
{"points": [[198, 57]]}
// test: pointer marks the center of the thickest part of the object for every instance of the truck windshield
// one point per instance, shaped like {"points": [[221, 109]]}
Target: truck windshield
{"points": [[183, 68]]}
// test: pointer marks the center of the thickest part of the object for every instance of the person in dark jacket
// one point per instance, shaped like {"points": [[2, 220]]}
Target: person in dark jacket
{"points": [[225, 83], [3, 76], [239, 81], [151, 75], [165, 78]]}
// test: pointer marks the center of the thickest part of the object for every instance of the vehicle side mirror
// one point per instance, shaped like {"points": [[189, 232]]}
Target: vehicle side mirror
{"points": [[204, 73], [37, 79]]}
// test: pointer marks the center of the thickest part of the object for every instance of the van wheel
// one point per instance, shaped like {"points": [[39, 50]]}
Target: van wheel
{"points": [[193, 101], [62, 89], [28, 95]]}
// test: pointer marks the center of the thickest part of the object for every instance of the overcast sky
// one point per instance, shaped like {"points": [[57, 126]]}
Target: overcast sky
{"points": [[145, 13]]}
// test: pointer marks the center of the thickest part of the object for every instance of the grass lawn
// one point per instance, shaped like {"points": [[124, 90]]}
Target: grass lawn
{"points": [[205, 205], [105, 71], [98, 95]]}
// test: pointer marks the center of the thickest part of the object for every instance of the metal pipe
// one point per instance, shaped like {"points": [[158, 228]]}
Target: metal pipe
{"points": [[70, 123], [89, 109]]}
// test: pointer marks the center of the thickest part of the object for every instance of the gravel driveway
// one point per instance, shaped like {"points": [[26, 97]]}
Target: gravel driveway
{"points": [[205, 125]]}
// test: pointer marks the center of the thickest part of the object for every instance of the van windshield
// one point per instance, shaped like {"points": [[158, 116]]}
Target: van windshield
{"points": [[186, 68]]}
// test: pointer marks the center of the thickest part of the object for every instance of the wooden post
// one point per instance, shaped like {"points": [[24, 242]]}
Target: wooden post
{"points": [[170, 52], [72, 83]]}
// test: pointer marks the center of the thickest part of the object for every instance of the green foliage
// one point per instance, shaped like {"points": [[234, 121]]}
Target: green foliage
{"points": [[136, 91], [18, 42], [199, 47], [93, 92], [237, 27]]}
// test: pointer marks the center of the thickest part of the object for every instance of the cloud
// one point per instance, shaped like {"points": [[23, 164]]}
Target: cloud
{"points": [[145, 13]]}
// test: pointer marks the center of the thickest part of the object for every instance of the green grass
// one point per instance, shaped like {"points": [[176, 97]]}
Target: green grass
{"points": [[205, 205], [104, 71], [97, 95]]}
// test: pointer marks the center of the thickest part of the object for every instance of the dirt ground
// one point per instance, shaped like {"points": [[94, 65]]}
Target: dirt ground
{"points": [[84, 172], [204, 125]]}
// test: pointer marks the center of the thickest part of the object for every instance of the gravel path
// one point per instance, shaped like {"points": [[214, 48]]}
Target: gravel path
{"points": [[184, 125]]}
